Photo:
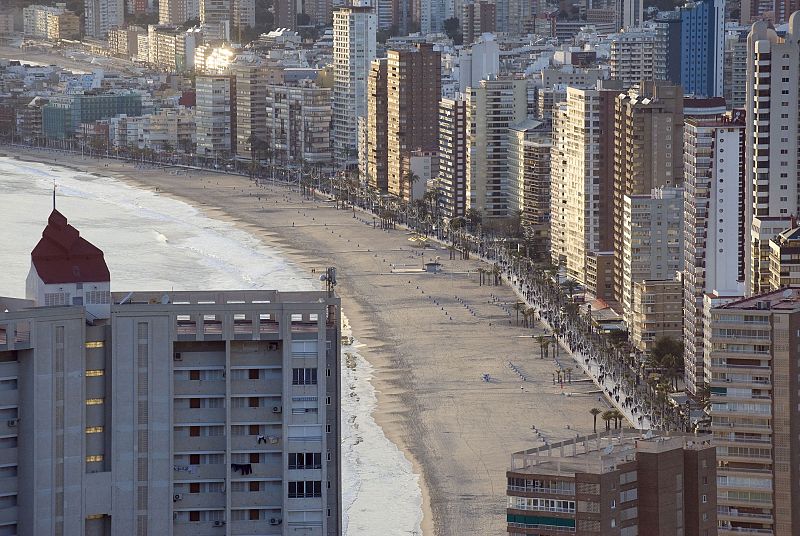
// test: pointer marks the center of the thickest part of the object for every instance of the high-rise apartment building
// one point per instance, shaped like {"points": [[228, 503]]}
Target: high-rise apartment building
{"points": [[638, 54], [657, 311], [477, 17], [298, 123], [631, 13], [377, 129], [99, 16], [249, 73], [784, 259], [751, 354], [285, 12], [452, 181], [651, 240], [492, 107], [180, 413], [243, 15], [529, 148], [703, 48], [582, 177], [172, 12], [648, 152], [354, 30], [215, 19], [213, 115], [773, 142], [614, 484], [735, 69], [713, 227], [413, 79]]}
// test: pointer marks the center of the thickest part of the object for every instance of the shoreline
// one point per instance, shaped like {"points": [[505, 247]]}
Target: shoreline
{"points": [[455, 430]]}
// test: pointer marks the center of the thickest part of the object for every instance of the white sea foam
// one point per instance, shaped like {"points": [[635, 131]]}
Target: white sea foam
{"points": [[153, 242]]}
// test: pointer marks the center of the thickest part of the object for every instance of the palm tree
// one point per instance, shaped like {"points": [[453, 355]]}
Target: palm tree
{"points": [[518, 306], [595, 412], [541, 340], [410, 179], [607, 416]]}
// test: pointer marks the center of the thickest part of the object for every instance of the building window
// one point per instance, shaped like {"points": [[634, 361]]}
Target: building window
{"points": [[95, 344], [94, 401], [94, 429], [305, 489], [94, 373], [94, 458], [305, 460], [304, 376]]}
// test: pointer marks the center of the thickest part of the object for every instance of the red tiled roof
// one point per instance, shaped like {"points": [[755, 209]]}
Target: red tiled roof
{"points": [[62, 256]]}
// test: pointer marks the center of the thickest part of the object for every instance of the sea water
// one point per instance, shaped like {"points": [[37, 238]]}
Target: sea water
{"points": [[153, 242]]}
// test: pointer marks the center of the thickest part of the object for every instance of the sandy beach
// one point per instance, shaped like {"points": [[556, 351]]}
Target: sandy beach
{"points": [[429, 337]]}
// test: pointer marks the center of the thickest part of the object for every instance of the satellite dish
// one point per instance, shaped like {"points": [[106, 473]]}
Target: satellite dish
{"points": [[165, 299]]}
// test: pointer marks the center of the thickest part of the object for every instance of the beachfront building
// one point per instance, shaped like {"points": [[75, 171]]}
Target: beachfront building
{"points": [[213, 116], [751, 357], [62, 116], [124, 42], [651, 241], [354, 29], [492, 107], [413, 90], [582, 177], [529, 146], [99, 16], [298, 123], [614, 484], [656, 312], [249, 74], [172, 12], [377, 155], [648, 154], [452, 177], [713, 227], [771, 148], [185, 413]]}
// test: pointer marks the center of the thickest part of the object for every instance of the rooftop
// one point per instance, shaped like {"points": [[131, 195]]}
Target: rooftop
{"points": [[782, 299]]}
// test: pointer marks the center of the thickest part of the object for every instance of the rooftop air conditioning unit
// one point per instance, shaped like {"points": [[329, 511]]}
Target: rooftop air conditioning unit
{"points": [[177, 356], [12, 423], [177, 497], [277, 409], [275, 521]]}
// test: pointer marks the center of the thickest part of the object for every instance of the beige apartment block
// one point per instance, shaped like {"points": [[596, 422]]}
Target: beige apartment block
{"points": [[657, 312], [377, 127], [751, 355]]}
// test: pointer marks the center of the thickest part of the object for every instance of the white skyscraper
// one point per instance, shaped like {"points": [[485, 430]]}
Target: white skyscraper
{"points": [[354, 30], [771, 147], [101, 15], [215, 19]]}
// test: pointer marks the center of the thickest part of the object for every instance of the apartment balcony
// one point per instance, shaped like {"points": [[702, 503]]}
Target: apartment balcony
{"points": [[9, 369], [262, 526], [271, 498], [257, 359], [199, 359], [739, 531], [199, 387], [9, 397], [199, 444], [199, 415], [8, 456], [199, 528], [262, 387], [249, 443], [8, 515], [216, 471], [8, 486], [258, 415], [204, 501]]}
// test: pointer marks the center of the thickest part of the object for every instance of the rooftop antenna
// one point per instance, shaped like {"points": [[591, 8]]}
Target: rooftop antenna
{"points": [[54, 195]]}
